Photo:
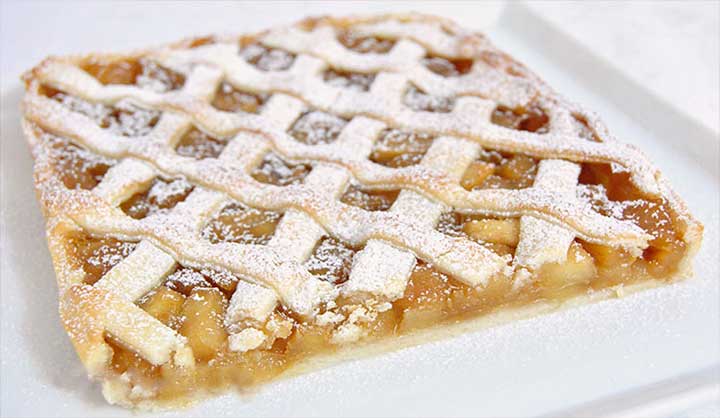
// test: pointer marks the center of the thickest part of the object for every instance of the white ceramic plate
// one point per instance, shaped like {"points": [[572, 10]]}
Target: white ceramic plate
{"points": [[532, 367]]}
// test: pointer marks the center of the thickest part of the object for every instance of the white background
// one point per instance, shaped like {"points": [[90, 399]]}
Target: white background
{"points": [[665, 55]]}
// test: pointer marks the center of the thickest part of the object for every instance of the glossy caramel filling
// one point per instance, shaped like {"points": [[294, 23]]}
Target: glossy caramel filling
{"points": [[613, 194], [161, 196], [372, 200], [531, 119], [267, 59], [419, 100], [317, 127], [229, 99], [498, 235], [124, 118], [365, 44], [395, 148], [96, 256], [140, 72], [77, 167], [495, 170], [242, 224], [197, 311], [331, 260], [448, 67], [275, 170], [349, 80], [184, 280], [199, 145]]}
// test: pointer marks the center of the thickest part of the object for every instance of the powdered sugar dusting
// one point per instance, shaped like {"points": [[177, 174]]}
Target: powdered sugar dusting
{"points": [[316, 127], [267, 59], [331, 261], [197, 144], [421, 101], [82, 168], [274, 170], [158, 79], [130, 120], [162, 196], [185, 279], [107, 256], [124, 118], [238, 223], [356, 81]]}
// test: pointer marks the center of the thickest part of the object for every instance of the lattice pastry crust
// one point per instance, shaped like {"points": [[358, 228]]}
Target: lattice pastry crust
{"points": [[377, 74]]}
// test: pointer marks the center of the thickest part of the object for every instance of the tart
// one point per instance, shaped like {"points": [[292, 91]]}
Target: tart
{"points": [[226, 210]]}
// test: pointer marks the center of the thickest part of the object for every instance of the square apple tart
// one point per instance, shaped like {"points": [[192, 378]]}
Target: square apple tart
{"points": [[225, 210]]}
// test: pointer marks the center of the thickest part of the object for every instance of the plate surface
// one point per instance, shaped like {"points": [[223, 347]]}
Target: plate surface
{"points": [[530, 367]]}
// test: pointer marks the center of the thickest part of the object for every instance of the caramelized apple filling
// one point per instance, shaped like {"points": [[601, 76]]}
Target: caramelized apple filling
{"points": [[126, 361], [199, 145], [373, 200], [194, 303], [205, 332], [432, 297], [241, 224], [588, 264], [419, 100], [575, 273], [365, 44], [499, 235], [274, 170], [124, 118], [448, 67], [612, 193], [229, 99], [397, 148], [165, 304], [141, 72], [267, 59], [196, 310], [185, 280], [316, 127], [531, 118], [585, 131], [96, 256], [161, 196], [77, 167], [495, 170], [349, 80], [331, 260]]}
